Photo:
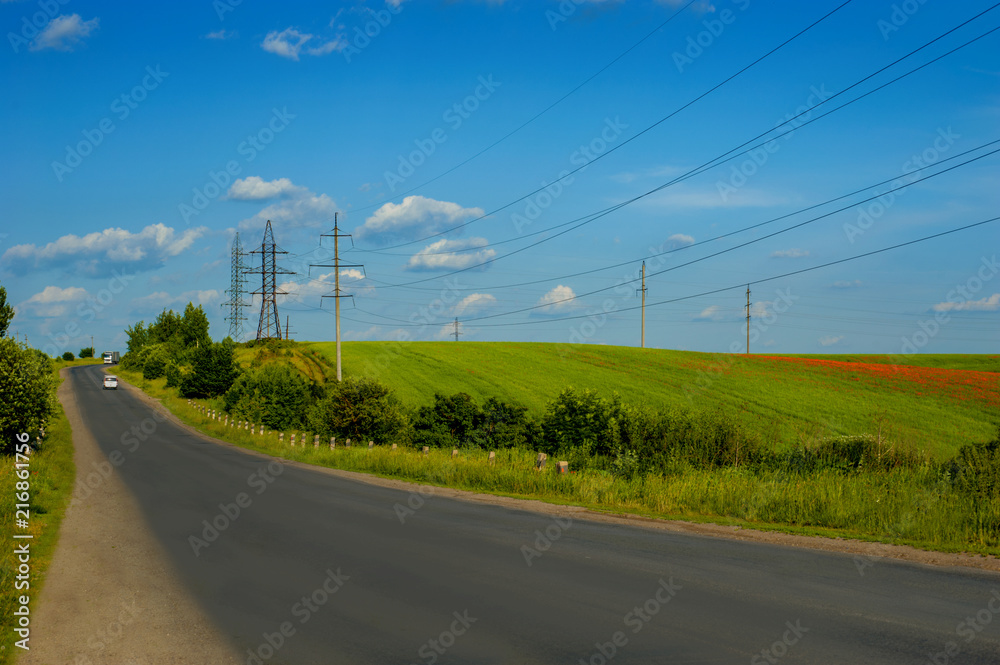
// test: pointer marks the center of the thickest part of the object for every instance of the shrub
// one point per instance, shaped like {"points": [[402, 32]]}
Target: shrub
{"points": [[25, 392], [213, 371], [503, 425], [276, 395], [449, 423], [173, 374], [68, 356], [156, 363], [360, 409], [457, 421], [976, 469], [576, 419], [87, 352]]}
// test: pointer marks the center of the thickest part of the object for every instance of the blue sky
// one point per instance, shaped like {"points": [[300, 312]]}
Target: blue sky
{"points": [[141, 138]]}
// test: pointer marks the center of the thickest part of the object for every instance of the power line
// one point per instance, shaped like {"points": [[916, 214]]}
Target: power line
{"points": [[763, 280], [697, 171], [739, 230], [635, 136], [537, 115], [754, 240]]}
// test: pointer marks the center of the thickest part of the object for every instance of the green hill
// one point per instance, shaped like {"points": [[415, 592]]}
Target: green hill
{"points": [[932, 403]]}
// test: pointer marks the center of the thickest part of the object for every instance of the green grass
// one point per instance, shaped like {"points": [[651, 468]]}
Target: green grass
{"points": [[52, 473], [903, 506], [927, 406]]}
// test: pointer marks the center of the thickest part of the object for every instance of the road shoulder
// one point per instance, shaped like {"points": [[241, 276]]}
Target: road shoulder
{"points": [[110, 596]]}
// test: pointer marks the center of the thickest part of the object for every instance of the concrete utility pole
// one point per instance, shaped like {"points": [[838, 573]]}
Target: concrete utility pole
{"points": [[643, 290], [337, 235], [748, 319]]}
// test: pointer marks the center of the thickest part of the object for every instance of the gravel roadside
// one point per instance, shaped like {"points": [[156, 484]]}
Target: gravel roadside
{"points": [[111, 596]]}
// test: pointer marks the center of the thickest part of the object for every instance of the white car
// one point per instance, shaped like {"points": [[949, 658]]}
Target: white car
{"points": [[111, 383]]}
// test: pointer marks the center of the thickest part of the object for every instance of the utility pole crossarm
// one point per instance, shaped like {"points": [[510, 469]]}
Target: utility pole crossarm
{"points": [[748, 319], [337, 265], [643, 291]]}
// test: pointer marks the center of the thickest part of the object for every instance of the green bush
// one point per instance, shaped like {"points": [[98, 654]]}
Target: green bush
{"points": [[976, 470], [68, 356], [276, 395], [213, 371], [573, 420], [156, 363], [360, 409], [173, 374], [87, 352], [456, 421], [25, 392], [449, 423]]}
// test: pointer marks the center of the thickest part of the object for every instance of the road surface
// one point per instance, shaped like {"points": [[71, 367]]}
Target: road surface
{"points": [[318, 568]]}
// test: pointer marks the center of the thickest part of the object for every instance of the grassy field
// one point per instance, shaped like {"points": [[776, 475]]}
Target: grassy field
{"points": [[52, 473], [932, 404], [902, 506]]}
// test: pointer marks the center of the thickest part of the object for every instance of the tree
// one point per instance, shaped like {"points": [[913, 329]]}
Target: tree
{"points": [[213, 370], [87, 352], [6, 312], [194, 327], [138, 336], [167, 328], [68, 355]]}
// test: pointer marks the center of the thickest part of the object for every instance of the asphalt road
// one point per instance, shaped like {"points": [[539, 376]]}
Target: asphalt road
{"points": [[317, 568]]}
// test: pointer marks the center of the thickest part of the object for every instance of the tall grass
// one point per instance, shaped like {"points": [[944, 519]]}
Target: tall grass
{"points": [[51, 479]]}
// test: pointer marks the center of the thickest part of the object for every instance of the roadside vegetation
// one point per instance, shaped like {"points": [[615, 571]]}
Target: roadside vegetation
{"points": [[28, 404], [720, 461]]}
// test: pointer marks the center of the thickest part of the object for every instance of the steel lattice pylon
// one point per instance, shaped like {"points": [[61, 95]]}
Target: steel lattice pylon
{"points": [[270, 325], [236, 290]]}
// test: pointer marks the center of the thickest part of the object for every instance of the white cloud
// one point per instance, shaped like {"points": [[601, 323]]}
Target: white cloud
{"points": [[286, 43], [830, 340], [559, 299], [63, 33], [680, 240], [221, 34], [415, 216], [352, 282], [338, 45], [473, 302], [150, 247], [760, 309], [53, 301], [989, 304], [255, 188], [289, 43], [299, 208], [444, 255], [794, 253], [712, 313]]}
